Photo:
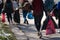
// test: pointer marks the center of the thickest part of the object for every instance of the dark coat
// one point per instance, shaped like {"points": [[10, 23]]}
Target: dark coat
{"points": [[48, 5], [37, 7], [26, 7], [56, 10], [8, 8]]}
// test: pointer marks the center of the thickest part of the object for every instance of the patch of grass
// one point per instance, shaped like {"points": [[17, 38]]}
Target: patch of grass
{"points": [[7, 30], [3, 38]]}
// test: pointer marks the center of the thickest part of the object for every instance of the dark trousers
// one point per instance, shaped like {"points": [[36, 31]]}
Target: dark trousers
{"points": [[59, 22], [0, 11], [17, 16], [37, 20], [1, 6], [45, 23], [9, 17]]}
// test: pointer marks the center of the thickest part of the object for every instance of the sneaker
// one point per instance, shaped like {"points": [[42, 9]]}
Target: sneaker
{"points": [[24, 22], [27, 22], [40, 35], [58, 31]]}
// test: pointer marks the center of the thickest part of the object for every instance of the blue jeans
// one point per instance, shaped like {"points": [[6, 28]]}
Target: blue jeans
{"points": [[24, 15]]}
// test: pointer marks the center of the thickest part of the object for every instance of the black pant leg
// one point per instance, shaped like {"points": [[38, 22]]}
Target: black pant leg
{"points": [[59, 23], [37, 23], [37, 20], [45, 23], [54, 23], [9, 17]]}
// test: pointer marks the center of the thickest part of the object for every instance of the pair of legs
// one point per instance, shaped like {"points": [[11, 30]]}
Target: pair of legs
{"points": [[24, 16], [37, 20], [9, 17]]}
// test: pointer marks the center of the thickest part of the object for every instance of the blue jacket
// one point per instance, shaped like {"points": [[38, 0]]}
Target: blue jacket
{"points": [[58, 6]]}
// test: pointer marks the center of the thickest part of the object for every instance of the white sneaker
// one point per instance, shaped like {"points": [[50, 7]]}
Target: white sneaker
{"points": [[58, 31]]}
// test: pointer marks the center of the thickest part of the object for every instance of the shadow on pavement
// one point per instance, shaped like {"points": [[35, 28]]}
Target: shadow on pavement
{"points": [[55, 38], [27, 25], [27, 28]]}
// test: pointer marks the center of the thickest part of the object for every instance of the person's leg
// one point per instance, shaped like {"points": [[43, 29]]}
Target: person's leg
{"points": [[8, 18], [0, 11], [1, 6], [17, 16], [45, 23], [55, 25], [24, 16], [37, 20], [59, 22], [37, 23]]}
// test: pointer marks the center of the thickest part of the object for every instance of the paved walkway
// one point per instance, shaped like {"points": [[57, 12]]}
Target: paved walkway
{"points": [[25, 32], [28, 32]]}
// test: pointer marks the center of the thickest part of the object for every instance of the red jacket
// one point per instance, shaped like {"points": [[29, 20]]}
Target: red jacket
{"points": [[37, 7]]}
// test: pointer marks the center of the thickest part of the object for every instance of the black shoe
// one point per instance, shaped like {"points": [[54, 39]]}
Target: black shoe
{"points": [[40, 35], [27, 22]]}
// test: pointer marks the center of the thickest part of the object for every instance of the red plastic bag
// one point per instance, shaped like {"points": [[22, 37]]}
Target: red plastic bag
{"points": [[50, 28], [3, 17]]}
